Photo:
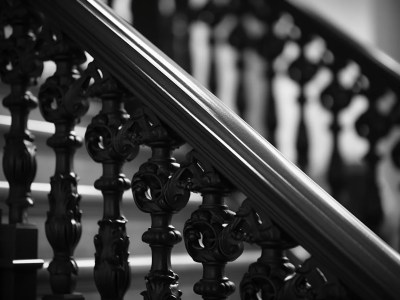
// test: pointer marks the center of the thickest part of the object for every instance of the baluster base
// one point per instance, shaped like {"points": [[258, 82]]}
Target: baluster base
{"points": [[18, 261]]}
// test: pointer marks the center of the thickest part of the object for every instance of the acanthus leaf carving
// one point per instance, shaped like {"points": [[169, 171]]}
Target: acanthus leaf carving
{"points": [[159, 188], [204, 233], [112, 272]]}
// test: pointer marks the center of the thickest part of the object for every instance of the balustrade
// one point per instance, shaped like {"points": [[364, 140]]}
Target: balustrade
{"points": [[304, 46], [148, 104]]}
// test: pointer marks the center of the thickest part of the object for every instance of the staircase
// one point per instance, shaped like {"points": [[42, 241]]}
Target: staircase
{"points": [[167, 158]]}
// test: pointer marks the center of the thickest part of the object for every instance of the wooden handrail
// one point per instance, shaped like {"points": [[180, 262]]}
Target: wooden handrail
{"points": [[334, 237]]}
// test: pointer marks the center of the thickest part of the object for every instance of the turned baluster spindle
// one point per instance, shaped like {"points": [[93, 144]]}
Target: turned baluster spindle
{"points": [[373, 125], [181, 29], [146, 19], [107, 144], [205, 238], [212, 14], [159, 188], [271, 114], [19, 67], [62, 103], [272, 46], [212, 73], [269, 47], [240, 40], [301, 71], [335, 98]]}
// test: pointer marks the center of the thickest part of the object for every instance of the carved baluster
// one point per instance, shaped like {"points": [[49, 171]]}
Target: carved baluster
{"points": [[270, 46], [181, 28], [212, 13], [159, 188], [105, 142], [312, 282], [336, 97], [212, 73], [19, 67], [373, 124], [268, 275], [302, 70], [273, 276], [62, 103], [146, 19], [205, 238], [239, 39]]}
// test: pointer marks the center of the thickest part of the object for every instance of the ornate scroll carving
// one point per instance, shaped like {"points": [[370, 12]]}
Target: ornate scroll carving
{"points": [[160, 189], [105, 144], [267, 276], [311, 283], [19, 67], [273, 276], [205, 238], [62, 103]]}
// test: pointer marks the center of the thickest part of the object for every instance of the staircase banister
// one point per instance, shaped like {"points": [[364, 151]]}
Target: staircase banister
{"points": [[374, 62], [334, 237]]}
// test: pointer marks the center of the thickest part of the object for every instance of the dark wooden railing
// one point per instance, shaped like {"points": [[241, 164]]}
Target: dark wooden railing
{"points": [[148, 100]]}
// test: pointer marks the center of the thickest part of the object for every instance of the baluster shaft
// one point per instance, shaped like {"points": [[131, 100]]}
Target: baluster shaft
{"points": [[112, 273], [212, 73], [205, 239], [302, 70], [241, 97], [61, 103], [181, 29], [271, 120], [19, 67], [156, 191]]}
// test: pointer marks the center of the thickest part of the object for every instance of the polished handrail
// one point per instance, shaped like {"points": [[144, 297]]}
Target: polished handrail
{"points": [[374, 63], [334, 237]]}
